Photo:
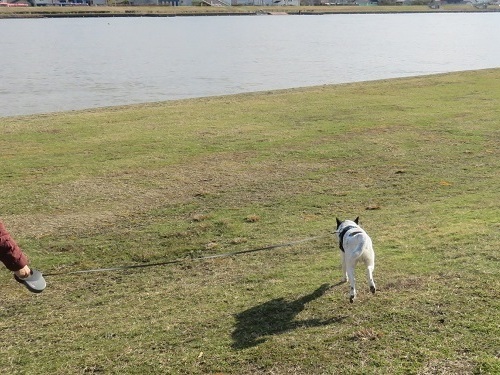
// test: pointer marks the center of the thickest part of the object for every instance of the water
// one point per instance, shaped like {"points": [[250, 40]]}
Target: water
{"points": [[50, 65]]}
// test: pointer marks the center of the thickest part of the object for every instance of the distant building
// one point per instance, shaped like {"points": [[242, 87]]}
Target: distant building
{"points": [[67, 2], [218, 2], [162, 2], [266, 2]]}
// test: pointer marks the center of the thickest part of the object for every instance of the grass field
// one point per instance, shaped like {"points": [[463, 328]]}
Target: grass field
{"points": [[416, 158]]}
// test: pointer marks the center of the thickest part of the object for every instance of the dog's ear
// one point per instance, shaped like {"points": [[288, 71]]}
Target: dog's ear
{"points": [[356, 220], [338, 222]]}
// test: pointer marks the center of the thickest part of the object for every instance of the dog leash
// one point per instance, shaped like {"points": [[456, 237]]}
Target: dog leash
{"points": [[181, 260]]}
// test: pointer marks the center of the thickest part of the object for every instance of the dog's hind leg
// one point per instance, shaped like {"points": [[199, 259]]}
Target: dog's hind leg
{"points": [[369, 273], [345, 278], [352, 280]]}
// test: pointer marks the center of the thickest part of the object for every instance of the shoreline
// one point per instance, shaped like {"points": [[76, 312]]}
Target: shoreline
{"points": [[250, 94], [166, 11]]}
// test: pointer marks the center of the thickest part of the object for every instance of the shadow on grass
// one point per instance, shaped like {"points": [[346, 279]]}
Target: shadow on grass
{"points": [[275, 317]]}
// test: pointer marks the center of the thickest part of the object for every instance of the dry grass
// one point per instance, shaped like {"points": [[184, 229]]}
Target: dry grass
{"points": [[183, 179]]}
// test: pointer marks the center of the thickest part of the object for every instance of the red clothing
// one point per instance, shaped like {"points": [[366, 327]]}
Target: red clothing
{"points": [[10, 254]]}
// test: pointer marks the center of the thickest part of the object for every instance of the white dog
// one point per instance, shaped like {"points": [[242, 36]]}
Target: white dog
{"points": [[355, 245]]}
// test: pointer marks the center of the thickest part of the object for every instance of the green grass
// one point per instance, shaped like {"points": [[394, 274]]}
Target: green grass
{"points": [[416, 158]]}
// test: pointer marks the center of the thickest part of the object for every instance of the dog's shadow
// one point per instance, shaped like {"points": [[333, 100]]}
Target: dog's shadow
{"points": [[275, 317]]}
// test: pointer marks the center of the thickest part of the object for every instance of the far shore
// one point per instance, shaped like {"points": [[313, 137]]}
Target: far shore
{"points": [[169, 11]]}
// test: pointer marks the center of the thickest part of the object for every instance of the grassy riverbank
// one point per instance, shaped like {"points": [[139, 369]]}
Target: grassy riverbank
{"points": [[115, 11], [416, 158]]}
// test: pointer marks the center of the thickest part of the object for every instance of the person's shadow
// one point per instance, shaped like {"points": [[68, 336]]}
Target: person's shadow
{"points": [[275, 317]]}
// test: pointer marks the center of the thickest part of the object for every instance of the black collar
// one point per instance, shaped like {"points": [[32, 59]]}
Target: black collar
{"points": [[342, 234]]}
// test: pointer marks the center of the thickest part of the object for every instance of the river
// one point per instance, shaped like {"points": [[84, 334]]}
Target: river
{"points": [[52, 65]]}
